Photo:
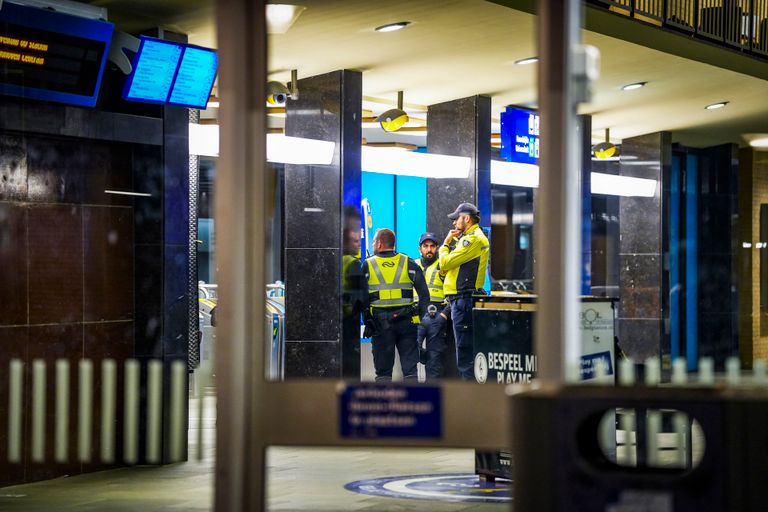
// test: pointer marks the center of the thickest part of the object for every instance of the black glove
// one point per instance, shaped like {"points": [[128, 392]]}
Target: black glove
{"points": [[369, 330]]}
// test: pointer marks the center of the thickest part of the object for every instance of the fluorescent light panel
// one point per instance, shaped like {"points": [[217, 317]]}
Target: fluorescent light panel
{"points": [[204, 141], [527, 176], [613, 185], [408, 163], [299, 151]]}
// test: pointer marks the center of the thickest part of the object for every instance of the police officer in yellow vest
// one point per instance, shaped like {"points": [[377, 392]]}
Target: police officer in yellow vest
{"points": [[463, 261], [390, 307], [433, 325]]}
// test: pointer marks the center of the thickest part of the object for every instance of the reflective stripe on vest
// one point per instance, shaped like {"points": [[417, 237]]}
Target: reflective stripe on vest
{"points": [[434, 282], [389, 288]]}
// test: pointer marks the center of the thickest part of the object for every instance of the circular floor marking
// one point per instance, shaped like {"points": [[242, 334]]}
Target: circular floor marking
{"points": [[449, 487]]}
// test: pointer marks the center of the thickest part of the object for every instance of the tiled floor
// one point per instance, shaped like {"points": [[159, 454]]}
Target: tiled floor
{"points": [[299, 479]]}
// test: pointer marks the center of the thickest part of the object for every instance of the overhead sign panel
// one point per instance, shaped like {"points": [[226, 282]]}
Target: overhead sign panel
{"points": [[51, 56], [174, 73], [153, 71], [520, 135], [195, 77]]}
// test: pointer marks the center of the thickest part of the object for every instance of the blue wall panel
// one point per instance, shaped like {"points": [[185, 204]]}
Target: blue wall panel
{"points": [[411, 213], [379, 189]]}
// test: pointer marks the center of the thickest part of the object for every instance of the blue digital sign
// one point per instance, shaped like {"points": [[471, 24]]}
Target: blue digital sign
{"points": [[194, 79], [520, 135], [51, 56], [174, 73], [153, 71]]}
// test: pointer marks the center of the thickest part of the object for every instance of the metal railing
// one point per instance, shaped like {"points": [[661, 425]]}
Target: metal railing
{"points": [[741, 24], [106, 401]]}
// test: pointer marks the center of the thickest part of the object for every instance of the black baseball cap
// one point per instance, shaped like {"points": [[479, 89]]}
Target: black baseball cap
{"points": [[464, 209], [427, 236]]}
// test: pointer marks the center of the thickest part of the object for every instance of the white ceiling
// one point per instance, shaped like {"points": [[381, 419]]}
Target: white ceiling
{"points": [[458, 48]]}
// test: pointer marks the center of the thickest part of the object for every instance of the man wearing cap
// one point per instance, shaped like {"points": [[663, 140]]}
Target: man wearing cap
{"points": [[389, 306], [463, 261], [433, 325]]}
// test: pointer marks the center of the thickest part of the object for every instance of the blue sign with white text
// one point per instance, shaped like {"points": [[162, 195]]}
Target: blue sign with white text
{"points": [[520, 136], [589, 364], [373, 411], [174, 73]]}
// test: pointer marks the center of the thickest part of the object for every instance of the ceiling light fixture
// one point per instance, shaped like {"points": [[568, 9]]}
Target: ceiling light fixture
{"points": [[409, 163], [280, 17], [715, 106], [394, 118], [605, 150], [527, 175], [632, 87], [391, 27], [204, 141], [529, 60], [759, 143]]}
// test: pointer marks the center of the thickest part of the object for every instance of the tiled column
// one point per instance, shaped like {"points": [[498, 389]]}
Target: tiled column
{"points": [[460, 128], [641, 246], [717, 253], [328, 109], [753, 194]]}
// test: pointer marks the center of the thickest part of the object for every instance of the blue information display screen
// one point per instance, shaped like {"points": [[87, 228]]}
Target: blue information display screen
{"points": [[520, 135], [153, 71], [195, 77], [51, 56], [168, 72]]}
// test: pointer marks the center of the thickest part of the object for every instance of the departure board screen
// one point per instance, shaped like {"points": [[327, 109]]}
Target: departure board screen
{"points": [[153, 70], [520, 135], [51, 56], [174, 73], [194, 79]]}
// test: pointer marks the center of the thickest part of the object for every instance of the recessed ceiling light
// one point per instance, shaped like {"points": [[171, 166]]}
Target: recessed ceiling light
{"points": [[529, 60], [391, 27], [761, 143], [280, 17], [631, 87], [715, 106]]}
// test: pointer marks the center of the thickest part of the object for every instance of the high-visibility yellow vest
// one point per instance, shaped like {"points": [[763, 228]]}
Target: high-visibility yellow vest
{"points": [[389, 284], [434, 281], [464, 266]]}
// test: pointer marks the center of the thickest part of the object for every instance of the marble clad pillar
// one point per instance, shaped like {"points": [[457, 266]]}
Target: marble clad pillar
{"points": [[641, 248], [329, 108], [460, 128]]}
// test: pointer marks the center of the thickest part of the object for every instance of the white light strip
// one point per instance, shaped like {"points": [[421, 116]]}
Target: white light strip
{"points": [[204, 141], [613, 185], [514, 174], [126, 193], [527, 176], [408, 163], [299, 151]]}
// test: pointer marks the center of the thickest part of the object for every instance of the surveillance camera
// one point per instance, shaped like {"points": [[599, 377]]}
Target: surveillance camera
{"points": [[277, 93], [277, 98]]}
